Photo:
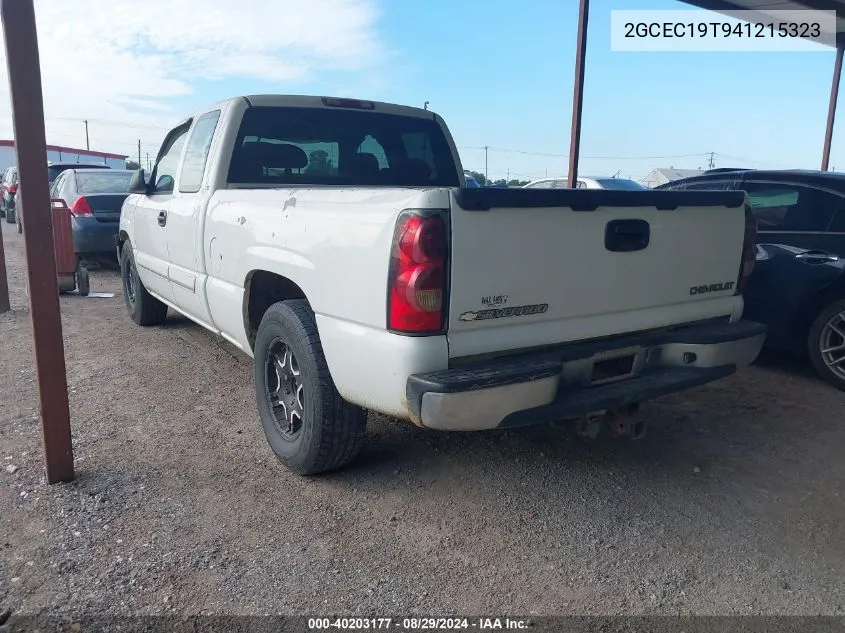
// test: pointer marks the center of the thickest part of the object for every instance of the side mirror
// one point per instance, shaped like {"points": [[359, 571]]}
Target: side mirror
{"points": [[58, 203], [138, 183]]}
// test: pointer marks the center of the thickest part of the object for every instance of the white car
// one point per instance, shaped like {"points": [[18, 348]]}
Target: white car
{"points": [[595, 182], [332, 240]]}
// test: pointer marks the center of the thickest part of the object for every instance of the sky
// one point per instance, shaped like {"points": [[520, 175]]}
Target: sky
{"points": [[500, 74]]}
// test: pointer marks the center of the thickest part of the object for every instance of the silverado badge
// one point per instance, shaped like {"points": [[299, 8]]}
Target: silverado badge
{"points": [[500, 313]]}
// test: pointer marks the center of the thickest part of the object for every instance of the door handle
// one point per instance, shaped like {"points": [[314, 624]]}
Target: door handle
{"points": [[817, 257], [162, 218]]}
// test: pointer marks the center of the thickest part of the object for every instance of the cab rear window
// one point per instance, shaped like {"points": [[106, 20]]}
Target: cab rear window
{"points": [[327, 146]]}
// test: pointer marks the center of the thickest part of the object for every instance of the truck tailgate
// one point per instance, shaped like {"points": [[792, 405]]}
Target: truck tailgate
{"points": [[537, 267]]}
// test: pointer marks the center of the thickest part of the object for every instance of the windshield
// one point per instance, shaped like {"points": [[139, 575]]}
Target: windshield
{"points": [[106, 181], [619, 184], [328, 146]]}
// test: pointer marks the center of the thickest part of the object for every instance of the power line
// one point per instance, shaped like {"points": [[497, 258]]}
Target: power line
{"points": [[748, 160], [109, 123], [551, 155]]}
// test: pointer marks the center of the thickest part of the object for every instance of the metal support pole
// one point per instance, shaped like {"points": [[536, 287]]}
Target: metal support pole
{"points": [[5, 306], [28, 118], [578, 93], [831, 108]]}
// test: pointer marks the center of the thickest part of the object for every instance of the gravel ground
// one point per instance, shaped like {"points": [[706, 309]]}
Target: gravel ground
{"points": [[732, 503]]}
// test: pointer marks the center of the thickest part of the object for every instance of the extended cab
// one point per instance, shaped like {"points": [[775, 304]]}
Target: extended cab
{"points": [[334, 241]]}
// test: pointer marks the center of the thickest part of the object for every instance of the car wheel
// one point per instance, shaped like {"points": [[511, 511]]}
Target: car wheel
{"points": [[308, 425], [144, 308], [10, 216], [826, 344], [83, 283]]}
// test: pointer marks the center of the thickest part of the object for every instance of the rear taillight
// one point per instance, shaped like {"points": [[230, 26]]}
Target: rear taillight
{"points": [[417, 274], [749, 250], [81, 207], [13, 189]]}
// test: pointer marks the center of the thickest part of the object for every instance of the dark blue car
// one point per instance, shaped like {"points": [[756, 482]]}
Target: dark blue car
{"points": [[94, 197], [798, 285]]}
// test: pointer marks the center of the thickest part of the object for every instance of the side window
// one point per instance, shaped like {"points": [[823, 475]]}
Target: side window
{"points": [[543, 184], [578, 185], [196, 152], [796, 208], [837, 225], [54, 190], [708, 185], [164, 172]]}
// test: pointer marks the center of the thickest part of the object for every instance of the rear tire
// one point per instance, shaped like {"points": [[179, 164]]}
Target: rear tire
{"points": [[144, 308], [83, 283], [308, 425], [10, 216], [826, 344]]}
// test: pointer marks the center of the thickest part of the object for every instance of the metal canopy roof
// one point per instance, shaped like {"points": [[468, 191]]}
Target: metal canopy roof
{"points": [[762, 6]]}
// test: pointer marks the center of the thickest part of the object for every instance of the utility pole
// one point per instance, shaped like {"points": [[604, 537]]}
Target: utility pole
{"points": [[148, 161], [508, 179], [486, 177], [711, 164], [425, 106], [87, 144], [139, 153]]}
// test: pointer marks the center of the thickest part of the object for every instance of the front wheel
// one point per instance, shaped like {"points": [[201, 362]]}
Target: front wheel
{"points": [[144, 308], [308, 425], [826, 344]]}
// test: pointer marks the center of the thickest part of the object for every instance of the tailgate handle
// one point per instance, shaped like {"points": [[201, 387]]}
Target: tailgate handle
{"points": [[626, 236], [162, 218]]}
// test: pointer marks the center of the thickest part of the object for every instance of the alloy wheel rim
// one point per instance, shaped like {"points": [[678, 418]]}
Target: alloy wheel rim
{"points": [[284, 389], [129, 282], [832, 344]]}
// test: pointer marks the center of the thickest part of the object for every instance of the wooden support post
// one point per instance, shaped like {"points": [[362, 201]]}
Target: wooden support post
{"points": [[34, 203]]}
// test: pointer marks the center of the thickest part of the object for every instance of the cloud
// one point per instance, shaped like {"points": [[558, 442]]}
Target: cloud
{"points": [[120, 62]]}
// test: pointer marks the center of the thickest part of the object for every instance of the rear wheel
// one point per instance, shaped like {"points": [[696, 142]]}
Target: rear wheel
{"points": [[10, 216], [144, 308], [83, 283], [826, 344], [308, 425]]}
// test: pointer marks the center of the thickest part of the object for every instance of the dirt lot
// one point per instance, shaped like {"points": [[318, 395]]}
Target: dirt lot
{"points": [[732, 504]]}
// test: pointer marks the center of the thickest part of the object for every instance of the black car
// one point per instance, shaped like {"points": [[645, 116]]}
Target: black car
{"points": [[798, 284]]}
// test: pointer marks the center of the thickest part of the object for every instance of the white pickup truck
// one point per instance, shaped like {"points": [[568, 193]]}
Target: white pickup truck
{"points": [[333, 241]]}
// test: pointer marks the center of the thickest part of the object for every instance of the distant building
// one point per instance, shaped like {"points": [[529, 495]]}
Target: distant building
{"points": [[58, 154], [662, 175]]}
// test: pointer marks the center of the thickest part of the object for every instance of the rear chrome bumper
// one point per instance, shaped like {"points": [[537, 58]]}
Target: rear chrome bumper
{"points": [[570, 382]]}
